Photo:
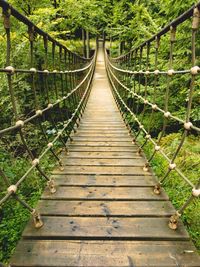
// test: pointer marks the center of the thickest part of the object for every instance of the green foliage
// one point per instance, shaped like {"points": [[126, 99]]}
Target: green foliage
{"points": [[176, 188], [124, 21], [13, 216]]}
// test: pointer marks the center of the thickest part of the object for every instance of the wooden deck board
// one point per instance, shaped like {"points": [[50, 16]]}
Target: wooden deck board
{"points": [[103, 162], [104, 212], [110, 193], [101, 155], [105, 253], [104, 180], [97, 148], [106, 208], [83, 228], [102, 170]]}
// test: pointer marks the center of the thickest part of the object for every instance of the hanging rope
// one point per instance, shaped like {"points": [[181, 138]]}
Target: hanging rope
{"points": [[148, 98], [62, 84]]}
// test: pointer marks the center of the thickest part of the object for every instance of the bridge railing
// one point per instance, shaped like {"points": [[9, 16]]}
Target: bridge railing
{"points": [[44, 89], [144, 82]]}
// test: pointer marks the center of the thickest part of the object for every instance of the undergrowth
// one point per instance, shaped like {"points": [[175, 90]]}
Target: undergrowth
{"points": [[13, 216], [176, 188]]}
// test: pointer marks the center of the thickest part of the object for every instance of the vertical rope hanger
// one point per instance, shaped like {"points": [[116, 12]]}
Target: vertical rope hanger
{"points": [[12, 189], [39, 118], [115, 72]]}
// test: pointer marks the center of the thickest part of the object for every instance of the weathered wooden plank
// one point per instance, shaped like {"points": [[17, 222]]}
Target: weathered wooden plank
{"points": [[102, 139], [104, 180], [100, 135], [114, 122], [102, 128], [102, 131], [106, 208], [101, 170], [101, 120], [102, 155], [103, 148], [109, 193], [62, 253], [105, 229], [103, 162], [103, 143]]}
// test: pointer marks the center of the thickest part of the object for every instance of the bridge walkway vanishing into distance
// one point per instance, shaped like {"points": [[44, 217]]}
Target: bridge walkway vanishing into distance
{"points": [[104, 212], [103, 205]]}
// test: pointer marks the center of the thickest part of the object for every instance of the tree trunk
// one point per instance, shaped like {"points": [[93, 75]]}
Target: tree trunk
{"points": [[121, 47], [88, 44], [84, 42]]}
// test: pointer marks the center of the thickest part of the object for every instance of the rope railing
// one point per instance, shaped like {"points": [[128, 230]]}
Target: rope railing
{"points": [[58, 85], [137, 80]]}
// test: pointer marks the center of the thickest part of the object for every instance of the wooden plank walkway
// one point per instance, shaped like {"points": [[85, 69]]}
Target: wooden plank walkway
{"points": [[104, 212]]}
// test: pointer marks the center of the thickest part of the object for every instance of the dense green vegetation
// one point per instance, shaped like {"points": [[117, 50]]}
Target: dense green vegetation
{"points": [[126, 24], [175, 187]]}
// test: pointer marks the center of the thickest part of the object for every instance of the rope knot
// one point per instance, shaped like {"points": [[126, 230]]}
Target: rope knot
{"points": [[194, 70], [188, 125], [167, 114], [157, 148], [12, 189], [10, 69], [46, 72], [19, 123], [59, 133], [172, 166], [33, 70], [35, 162], [50, 105], [154, 107], [170, 72], [50, 145], [156, 72], [38, 112], [196, 192]]}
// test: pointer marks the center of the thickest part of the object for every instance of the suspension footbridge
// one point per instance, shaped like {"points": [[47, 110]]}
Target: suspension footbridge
{"points": [[103, 205]]}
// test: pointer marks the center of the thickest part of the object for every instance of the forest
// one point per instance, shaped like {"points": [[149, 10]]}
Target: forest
{"points": [[76, 24]]}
